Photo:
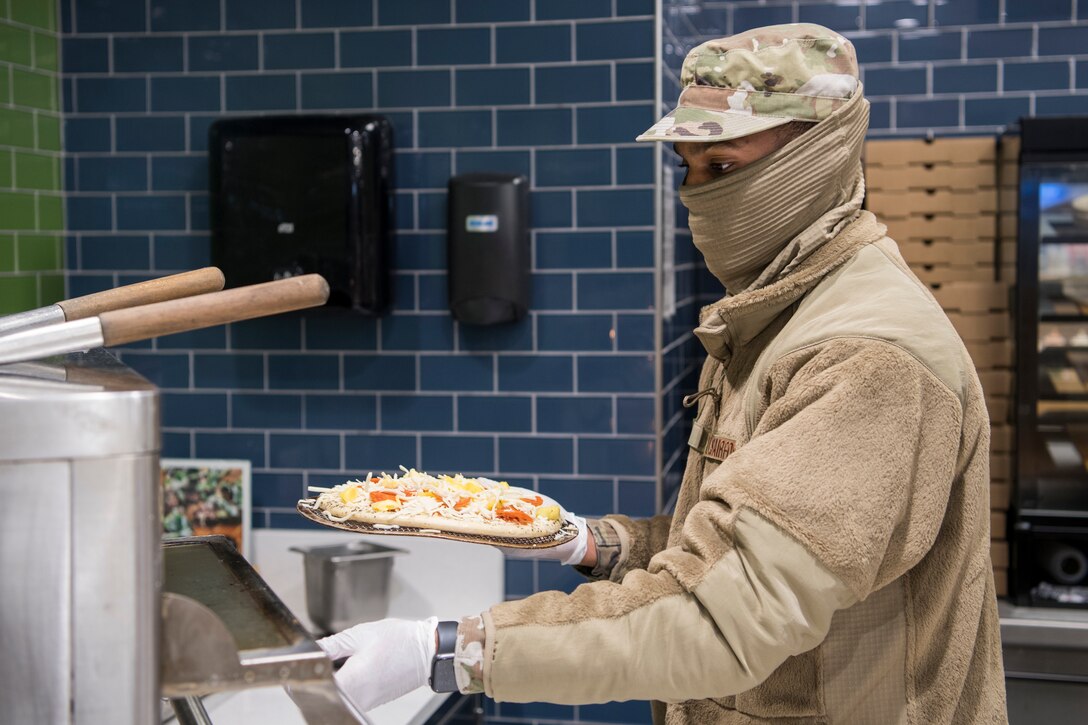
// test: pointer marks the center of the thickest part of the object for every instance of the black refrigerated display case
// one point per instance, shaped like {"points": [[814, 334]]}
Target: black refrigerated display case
{"points": [[1050, 505]]}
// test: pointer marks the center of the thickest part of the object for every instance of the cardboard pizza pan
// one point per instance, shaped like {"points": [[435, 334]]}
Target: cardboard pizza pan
{"points": [[308, 508]]}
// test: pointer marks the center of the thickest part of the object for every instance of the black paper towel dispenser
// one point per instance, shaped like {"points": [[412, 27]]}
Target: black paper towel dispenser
{"points": [[292, 195], [489, 279]]}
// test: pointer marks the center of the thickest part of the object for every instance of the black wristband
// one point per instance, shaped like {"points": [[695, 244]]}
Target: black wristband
{"points": [[442, 676]]}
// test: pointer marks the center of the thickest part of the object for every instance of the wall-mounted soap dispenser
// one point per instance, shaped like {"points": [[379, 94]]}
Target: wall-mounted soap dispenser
{"points": [[489, 280], [292, 195]]}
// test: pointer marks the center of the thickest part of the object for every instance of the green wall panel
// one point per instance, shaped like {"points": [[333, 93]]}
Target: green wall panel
{"points": [[51, 212], [39, 253], [36, 171], [31, 191], [45, 52], [20, 292], [16, 128], [34, 89], [41, 13], [7, 253], [15, 44]]}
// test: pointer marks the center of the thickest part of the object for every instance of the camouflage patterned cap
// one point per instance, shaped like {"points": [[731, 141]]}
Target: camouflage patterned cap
{"points": [[760, 79]]}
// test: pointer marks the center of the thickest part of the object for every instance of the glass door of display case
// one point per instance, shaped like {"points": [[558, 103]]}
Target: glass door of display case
{"points": [[1050, 535]]}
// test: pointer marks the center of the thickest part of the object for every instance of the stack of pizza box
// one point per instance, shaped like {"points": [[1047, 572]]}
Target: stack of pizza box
{"points": [[942, 204]]}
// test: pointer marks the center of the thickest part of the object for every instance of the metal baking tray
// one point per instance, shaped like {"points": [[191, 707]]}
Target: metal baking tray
{"points": [[225, 629], [308, 508]]}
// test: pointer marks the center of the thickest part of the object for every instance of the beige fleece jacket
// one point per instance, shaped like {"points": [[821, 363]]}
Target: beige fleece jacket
{"points": [[828, 559]]}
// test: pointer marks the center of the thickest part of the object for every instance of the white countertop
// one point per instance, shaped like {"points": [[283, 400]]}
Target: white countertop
{"points": [[436, 578]]}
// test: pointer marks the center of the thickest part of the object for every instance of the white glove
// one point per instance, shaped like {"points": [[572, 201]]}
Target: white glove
{"points": [[386, 659], [571, 552]]}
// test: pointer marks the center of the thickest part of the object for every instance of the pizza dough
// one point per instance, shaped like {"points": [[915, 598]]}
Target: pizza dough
{"points": [[444, 503]]}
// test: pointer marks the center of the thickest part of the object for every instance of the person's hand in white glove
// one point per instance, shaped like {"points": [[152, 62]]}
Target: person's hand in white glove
{"points": [[573, 552], [386, 659]]}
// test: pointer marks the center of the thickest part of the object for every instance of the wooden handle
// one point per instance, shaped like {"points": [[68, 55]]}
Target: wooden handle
{"points": [[186, 284], [216, 308]]}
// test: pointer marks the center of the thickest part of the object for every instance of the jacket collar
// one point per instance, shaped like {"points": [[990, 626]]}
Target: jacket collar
{"points": [[735, 321]]}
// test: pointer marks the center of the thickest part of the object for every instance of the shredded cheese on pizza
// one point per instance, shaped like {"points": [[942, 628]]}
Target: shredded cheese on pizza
{"points": [[417, 494]]}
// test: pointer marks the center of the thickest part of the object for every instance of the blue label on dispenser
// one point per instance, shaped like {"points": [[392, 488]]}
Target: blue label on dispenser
{"points": [[481, 223]]}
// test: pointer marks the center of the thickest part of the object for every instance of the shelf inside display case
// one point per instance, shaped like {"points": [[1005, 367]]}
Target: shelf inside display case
{"points": [[1066, 318]]}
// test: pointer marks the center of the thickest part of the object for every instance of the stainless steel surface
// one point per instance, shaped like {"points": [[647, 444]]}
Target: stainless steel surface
{"points": [[35, 613], [34, 371], [198, 651], [254, 642], [321, 703], [40, 317], [116, 527], [79, 335], [78, 543], [1044, 643], [190, 711], [103, 409], [347, 584]]}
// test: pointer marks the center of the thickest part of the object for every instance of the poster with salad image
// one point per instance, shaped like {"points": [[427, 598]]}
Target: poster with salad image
{"points": [[203, 497]]}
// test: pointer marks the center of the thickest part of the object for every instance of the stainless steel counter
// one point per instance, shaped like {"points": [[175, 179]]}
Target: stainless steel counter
{"points": [[1046, 664]]}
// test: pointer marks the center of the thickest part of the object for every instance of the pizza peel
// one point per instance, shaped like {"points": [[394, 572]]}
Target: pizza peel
{"points": [[171, 287], [308, 508], [130, 324]]}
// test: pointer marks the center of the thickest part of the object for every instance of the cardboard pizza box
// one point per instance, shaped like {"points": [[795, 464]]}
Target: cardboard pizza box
{"points": [[981, 326], [1007, 222], [1008, 147], [939, 226], [1008, 174], [973, 296], [938, 274], [1007, 273], [948, 251], [999, 408], [1002, 437], [1000, 466], [997, 525], [1006, 251], [1008, 198], [901, 204], [1000, 495], [997, 383], [937, 176], [991, 354], [1001, 582], [918, 152]]}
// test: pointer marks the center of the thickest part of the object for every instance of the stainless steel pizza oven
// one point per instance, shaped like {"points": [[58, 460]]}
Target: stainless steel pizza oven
{"points": [[79, 542], [94, 627]]}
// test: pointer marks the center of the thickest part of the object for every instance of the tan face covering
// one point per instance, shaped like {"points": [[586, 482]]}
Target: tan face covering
{"points": [[756, 224]]}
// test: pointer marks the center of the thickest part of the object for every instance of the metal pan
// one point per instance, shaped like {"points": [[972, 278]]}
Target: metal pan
{"points": [[122, 326], [172, 287]]}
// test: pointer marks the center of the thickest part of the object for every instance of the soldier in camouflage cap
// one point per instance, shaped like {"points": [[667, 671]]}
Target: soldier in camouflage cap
{"points": [[757, 80]]}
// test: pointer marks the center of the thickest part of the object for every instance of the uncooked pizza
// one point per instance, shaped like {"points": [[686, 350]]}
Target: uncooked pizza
{"points": [[442, 503]]}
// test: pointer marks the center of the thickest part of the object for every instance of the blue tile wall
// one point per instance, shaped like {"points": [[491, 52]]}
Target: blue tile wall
{"points": [[532, 43], [469, 86], [565, 401], [336, 13], [299, 50], [572, 9], [147, 54], [248, 15], [225, 53], [573, 84]]}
